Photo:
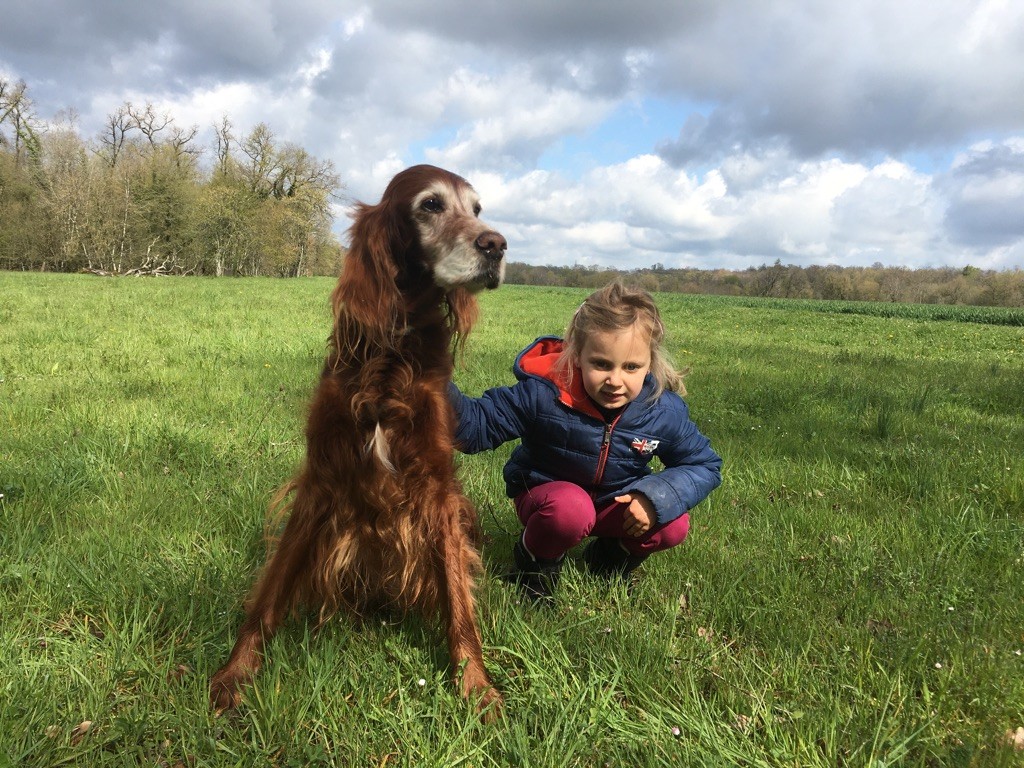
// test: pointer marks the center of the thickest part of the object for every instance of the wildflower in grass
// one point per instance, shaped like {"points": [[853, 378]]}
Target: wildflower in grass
{"points": [[79, 732], [1015, 739], [421, 682]]}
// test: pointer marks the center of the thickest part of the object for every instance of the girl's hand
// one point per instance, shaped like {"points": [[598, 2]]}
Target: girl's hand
{"points": [[639, 516]]}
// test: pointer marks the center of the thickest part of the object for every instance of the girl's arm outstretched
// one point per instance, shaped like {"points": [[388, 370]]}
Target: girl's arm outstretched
{"points": [[485, 422]]}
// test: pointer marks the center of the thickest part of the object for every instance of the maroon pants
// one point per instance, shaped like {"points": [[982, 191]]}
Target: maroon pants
{"points": [[559, 515]]}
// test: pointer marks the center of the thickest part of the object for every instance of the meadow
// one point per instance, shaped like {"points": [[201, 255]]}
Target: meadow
{"points": [[850, 596]]}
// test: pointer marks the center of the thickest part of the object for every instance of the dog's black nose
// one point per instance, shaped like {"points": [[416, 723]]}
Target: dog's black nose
{"points": [[492, 244]]}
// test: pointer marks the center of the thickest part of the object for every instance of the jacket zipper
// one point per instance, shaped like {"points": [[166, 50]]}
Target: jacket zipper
{"points": [[602, 459]]}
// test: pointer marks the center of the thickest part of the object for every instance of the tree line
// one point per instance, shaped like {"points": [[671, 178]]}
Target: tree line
{"points": [[144, 196], [962, 286]]}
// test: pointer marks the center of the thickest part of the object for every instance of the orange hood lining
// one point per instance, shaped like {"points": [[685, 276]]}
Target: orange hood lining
{"points": [[539, 360]]}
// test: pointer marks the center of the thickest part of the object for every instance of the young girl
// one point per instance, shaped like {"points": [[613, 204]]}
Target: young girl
{"points": [[592, 411]]}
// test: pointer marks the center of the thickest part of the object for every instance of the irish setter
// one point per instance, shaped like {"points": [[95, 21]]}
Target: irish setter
{"points": [[376, 517]]}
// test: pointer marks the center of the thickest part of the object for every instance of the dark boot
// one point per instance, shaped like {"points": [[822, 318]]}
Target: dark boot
{"points": [[606, 558], [536, 577]]}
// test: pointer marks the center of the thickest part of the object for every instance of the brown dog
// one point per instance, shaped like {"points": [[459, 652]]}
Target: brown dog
{"points": [[376, 516]]}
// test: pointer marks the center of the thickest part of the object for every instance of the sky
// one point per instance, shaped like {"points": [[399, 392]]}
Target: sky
{"points": [[706, 133]]}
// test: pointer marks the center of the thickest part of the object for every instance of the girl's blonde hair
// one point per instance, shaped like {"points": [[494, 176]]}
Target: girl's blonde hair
{"points": [[614, 308]]}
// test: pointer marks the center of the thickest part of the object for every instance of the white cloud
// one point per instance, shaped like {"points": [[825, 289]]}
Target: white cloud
{"points": [[510, 121], [711, 133], [992, 23], [821, 212], [892, 216]]}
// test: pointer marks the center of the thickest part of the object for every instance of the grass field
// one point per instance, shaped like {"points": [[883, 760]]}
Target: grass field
{"points": [[851, 596]]}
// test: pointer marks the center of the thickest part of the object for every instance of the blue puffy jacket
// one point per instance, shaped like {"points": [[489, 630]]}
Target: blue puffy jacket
{"points": [[565, 437]]}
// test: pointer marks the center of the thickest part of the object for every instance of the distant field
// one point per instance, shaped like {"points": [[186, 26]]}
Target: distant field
{"points": [[850, 596], [956, 313]]}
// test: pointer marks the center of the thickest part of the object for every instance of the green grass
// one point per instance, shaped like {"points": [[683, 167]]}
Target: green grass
{"points": [[850, 596]]}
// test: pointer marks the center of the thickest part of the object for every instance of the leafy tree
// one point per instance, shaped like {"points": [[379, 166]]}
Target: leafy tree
{"points": [[21, 134], [137, 199]]}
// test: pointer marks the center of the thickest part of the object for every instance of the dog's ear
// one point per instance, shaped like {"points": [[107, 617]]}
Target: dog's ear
{"points": [[462, 313], [366, 294]]}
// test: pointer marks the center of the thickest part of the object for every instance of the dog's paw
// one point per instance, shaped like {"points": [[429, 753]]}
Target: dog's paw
{"points": [[478, 690], [225, 691], [489, 704]]}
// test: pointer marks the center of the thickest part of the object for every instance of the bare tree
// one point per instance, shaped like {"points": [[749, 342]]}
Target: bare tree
{"points": [[115, 133], [224, 138], [148, 122], [11, 95], [179, 143], [298, 171], [16, 110], [261, 167]]}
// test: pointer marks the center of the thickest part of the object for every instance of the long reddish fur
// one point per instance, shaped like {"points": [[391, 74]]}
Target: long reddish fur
{"points": [[359, 534]]}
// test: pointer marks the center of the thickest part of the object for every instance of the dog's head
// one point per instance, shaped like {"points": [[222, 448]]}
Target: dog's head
{"points": [[437, 218], [425, 235]]}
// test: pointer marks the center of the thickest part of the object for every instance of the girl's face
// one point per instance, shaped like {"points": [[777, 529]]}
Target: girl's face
{"points": [[613, 365]]}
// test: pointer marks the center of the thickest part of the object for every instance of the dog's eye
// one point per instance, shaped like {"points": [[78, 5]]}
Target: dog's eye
{"points": [[477, 209], [432, 205]]}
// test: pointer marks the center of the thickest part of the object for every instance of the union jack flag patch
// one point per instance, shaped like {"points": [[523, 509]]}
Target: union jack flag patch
{"points": [[643, 446]]}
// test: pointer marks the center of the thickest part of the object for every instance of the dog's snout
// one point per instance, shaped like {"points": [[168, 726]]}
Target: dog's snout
{"points": [[493, 244]]}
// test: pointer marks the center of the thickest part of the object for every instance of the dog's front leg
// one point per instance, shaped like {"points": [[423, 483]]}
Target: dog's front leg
{"points": [[464, 643], [265, 611]]}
